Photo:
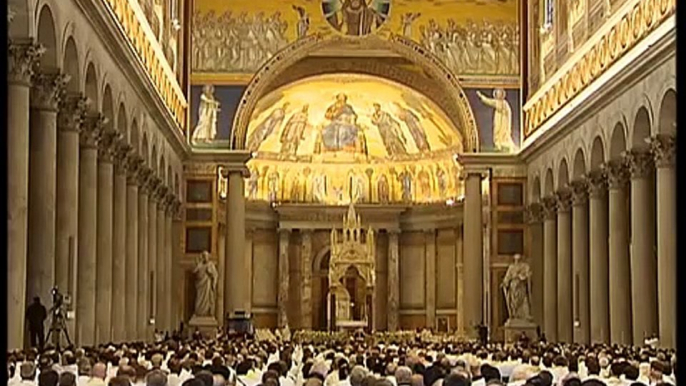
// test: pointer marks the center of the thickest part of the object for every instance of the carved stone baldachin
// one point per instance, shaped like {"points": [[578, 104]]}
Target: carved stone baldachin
{"points": [[21, 61], [663, 148], [47, 90]]}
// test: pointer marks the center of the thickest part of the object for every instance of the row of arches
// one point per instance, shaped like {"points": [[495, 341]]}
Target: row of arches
{"points": [[622, 137], [68, 49]]}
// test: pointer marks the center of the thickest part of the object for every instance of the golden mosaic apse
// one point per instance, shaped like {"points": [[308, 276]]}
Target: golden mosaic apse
{"points": [[336, 138]]}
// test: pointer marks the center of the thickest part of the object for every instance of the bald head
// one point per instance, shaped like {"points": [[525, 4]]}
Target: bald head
{"points": [[100, 371], [403, 375]]}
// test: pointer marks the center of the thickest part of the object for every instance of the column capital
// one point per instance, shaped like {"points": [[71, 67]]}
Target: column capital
{"points": [[133, 165], [176, 207], [47, 90], [72, 112], [617, 173], [144, 178], [284, 231], [563, 198], [534, 213], [170, 200], [235, 168], [579, 191], [91, 128], [22, 59], [466, 173], [596, 181], [121, 155], [663, 148], [156, 188], [107, 145], [640, 162], [549, 207]]}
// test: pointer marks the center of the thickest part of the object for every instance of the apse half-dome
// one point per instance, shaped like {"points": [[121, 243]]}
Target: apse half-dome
{"points": [[341, 137]]}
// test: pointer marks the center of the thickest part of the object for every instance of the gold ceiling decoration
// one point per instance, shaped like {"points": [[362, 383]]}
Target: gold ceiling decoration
{"points": [[132, 19], [634, 25]]}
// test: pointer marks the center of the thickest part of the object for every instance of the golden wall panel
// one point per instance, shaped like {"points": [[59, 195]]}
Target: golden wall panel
{"points": [[232, 39]]}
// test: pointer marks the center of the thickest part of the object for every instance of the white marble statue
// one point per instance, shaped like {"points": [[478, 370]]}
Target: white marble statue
{"points": [[206, 129], [517, 289], [206, 278]]}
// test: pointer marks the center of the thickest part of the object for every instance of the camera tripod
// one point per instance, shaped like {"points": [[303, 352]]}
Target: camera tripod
{"points": [[58, 326]]}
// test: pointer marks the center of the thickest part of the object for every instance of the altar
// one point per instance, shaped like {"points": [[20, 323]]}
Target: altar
{"points": [[352, 276]]}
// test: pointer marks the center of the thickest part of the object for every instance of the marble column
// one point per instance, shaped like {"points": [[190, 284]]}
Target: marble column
{"points": [[160, 261], [473, 253], [582, 307], [152, 254], [249, 238], [306, 276], [69, 120], [119, 283], [177, 253], [598, 258], [393, 280], [664, 151], [88, 229], [143, 296], [534, 218], [169, 262], [620, 273], [103, 291], [45, 96], [235, 298], [564, 267], [132, 232], [550, 269], [430, 280], [284, 277], [643, 247], [21, 62]]}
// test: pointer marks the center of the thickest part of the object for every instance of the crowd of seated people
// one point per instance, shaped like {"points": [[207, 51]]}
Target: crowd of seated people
{"points": [[343, 360]]}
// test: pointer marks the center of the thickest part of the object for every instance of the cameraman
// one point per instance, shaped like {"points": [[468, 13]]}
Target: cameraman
{"points": [[35, 316]]}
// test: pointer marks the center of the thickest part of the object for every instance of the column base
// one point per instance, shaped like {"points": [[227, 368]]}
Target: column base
{"points": [[207, 325], [515, 327]]}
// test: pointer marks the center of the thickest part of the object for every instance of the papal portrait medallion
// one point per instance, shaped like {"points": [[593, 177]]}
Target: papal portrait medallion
{"points": [[356, 17]]}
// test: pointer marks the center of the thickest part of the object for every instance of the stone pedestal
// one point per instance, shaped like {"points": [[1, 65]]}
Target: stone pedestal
{"points": [[207, 325], [514, 328]]}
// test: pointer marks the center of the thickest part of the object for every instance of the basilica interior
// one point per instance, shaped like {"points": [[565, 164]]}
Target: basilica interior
{"points": [[322, 165]]}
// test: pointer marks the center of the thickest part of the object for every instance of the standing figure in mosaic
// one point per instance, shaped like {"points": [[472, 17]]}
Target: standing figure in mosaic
{"points": [[206, 129], [266, 127], [389, 128], [502, 120]]}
